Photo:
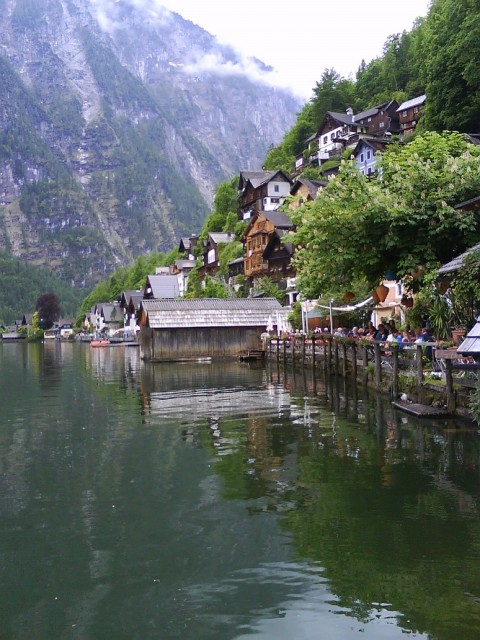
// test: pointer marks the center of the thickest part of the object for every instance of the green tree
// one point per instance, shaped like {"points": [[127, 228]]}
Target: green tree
{"points": [[48, 307], [452, 80], [362, 228]]}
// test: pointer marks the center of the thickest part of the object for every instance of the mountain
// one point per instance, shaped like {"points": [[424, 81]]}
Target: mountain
{"points": [[118, 119]]}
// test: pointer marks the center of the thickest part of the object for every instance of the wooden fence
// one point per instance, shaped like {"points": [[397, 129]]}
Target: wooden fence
{"points": [[388, 367]]}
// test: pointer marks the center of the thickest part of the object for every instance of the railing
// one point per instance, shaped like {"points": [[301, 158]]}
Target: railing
{"points": [[385, 365]]}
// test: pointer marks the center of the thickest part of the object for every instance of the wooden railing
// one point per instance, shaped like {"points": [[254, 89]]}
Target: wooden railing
{"points": [[381, 364]]}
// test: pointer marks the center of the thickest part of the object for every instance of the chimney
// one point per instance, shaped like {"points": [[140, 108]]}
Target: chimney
{"points": [[349, 111]]}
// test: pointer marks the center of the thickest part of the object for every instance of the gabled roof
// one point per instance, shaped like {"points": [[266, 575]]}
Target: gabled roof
{"points": [[312, 185], [374, 110], [211, 312], [258, 178], [222, 238], [414, 102], [109, 309], [279, 219], [163, 286], [183, 263], [375, 144]]}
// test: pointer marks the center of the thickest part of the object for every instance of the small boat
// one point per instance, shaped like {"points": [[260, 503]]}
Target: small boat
{"points": [[100, 342]]}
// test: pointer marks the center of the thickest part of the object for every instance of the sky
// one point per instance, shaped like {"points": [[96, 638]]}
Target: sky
{"points": [[300, 41]]}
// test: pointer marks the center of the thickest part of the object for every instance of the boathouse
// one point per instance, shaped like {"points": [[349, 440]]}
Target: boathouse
{"points": [[183, 329]]}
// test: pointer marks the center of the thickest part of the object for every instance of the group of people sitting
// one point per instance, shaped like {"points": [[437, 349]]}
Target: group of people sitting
{"points": [[387, 332]]}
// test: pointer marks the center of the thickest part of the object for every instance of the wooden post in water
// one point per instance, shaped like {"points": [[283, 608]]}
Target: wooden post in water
{"points": [[344, 357], [418, 357], [449, 385], [378, 365], [329, 354], [335, 363], [354, 361], [395, 373], [365, 363], [278, 350], [284, 351], [303, 349], [313, 351], [293, 340]]}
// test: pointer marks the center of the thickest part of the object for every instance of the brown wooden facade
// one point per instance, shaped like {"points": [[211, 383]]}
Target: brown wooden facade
{"points": [[264, 252]]}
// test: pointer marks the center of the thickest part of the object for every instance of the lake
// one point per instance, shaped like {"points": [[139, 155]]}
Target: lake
{"points": [[226, 501]]}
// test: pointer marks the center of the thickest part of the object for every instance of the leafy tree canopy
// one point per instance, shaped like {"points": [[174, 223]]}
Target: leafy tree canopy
{"points": [[48, 307], [405, 219]]}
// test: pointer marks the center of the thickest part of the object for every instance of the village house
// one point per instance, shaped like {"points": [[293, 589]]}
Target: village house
{"points": [[365, 154], [261, 191], [265, 254], [211, 262], [336, 132], [303, 191], [130, 304], [186, 246], [381, 119], [182, 268], [409, 113]]}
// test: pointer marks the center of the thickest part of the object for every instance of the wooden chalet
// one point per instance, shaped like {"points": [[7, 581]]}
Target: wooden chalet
{"points": [[186, 246], [265, 254], [409, 113], [304, 190], [261, 191], [192, 329], [381, 119]]}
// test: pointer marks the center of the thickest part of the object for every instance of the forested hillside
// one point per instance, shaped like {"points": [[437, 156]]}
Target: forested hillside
{"points": [[439, 56]]}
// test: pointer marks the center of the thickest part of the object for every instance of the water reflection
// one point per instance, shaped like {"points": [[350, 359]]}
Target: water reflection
{"points": [[226, 501]]}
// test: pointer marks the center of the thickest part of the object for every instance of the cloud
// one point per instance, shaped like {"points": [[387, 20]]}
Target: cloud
{"points": [[111, 13], [245, 66]]}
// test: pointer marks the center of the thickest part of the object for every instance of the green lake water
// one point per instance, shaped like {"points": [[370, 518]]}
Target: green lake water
{"points": [[226, 501]]}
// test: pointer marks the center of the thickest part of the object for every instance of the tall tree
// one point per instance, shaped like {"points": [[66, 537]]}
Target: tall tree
{"points": [[48, 307], [452, 79]]}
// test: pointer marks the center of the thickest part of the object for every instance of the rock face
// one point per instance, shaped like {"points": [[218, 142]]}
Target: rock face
{"points": [[118, 119]]}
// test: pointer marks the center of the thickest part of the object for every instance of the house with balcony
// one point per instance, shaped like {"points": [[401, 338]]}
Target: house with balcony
{"points": [[261, 191], [381, 119], [409, 113], [265, 254], [337, 131]]}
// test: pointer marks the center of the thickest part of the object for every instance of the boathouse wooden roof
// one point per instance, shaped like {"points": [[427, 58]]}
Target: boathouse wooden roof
{"points": [[212, 312]]}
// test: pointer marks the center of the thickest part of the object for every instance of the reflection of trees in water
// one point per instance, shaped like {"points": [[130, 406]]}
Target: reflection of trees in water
{"points": [[390, 508]]}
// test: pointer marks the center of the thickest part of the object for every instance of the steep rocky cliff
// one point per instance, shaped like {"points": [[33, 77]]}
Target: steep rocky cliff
{"points": [[117, 121]]}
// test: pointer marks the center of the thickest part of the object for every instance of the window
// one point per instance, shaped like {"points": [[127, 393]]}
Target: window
{"points": [[325, 139], [404, 114], [369, 120], [276, 188], [381, 124], [362, 158], [369, 155], [332, 136], [415, 109]]}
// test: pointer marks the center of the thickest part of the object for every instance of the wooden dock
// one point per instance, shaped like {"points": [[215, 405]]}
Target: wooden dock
{"points": [[421, 410], [251, 355]]}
